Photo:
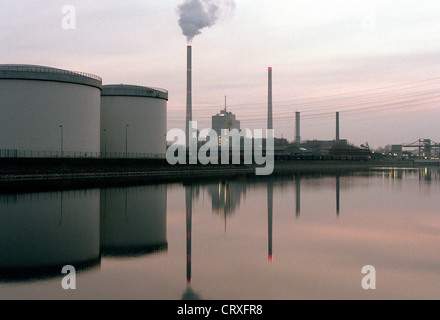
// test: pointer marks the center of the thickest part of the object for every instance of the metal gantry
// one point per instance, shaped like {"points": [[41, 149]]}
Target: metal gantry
{"points": [[427, 148]]}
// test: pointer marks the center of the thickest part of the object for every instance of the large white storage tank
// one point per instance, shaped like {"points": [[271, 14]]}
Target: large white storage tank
{"points": [[48, 112], [133, 121]]}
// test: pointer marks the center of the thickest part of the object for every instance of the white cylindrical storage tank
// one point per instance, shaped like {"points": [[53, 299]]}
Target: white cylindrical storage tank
{"points": [[48, 111], [133, 121]]}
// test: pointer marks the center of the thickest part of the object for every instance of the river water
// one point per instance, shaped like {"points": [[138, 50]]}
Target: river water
{"points": [[362, 235]]}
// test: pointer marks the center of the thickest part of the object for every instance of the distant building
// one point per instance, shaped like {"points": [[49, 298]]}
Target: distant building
{"points": [[224, 121], [325, 146], [396, 150]]}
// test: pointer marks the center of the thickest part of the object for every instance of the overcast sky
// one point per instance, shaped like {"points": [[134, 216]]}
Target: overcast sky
{"points": [[376, 62]]}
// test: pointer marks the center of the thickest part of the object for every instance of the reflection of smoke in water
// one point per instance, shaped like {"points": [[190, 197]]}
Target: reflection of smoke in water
{"points": [[194, 15]]}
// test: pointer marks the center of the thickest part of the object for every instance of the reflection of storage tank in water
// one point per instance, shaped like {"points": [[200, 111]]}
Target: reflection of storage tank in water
{"points": [[49, 109], [133, 220], [42, 232], [133, 120]]}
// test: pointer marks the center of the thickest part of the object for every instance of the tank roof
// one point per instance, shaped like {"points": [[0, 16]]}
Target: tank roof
{"points": [[36, 72], [133, 91]]}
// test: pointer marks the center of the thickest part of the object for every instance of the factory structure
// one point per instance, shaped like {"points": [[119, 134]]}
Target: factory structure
{"points": [[338, 149], [224, 121], [301, 150], [50, 112]]}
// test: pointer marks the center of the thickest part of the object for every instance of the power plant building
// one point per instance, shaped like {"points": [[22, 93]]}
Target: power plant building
{"points": [[224, 121], [46, 111], [133, 121]]}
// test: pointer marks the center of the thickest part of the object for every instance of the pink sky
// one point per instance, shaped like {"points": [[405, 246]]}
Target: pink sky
{"points": [[376, 62]]}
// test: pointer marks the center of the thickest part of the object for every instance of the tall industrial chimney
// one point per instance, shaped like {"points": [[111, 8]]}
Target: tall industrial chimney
{"points": [[337, 126], [188, 94], [269, 100], [297, 128]]}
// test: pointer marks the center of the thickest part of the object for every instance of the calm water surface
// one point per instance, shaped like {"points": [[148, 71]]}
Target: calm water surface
{"points": [[298, 236]]}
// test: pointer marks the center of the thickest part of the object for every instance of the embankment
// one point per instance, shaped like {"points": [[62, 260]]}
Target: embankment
{"points": [[28, 174]]}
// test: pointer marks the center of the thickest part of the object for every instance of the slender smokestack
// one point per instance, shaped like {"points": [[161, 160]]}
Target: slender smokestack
{"points": [[297, 128], [337, 126], [269, 100], [188, 93]]}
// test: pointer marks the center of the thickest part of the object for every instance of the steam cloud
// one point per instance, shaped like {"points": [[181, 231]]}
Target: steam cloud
{"points": [[194, 15]]}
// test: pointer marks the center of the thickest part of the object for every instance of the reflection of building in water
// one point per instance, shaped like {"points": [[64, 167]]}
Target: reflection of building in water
{"points": [[226, 196], [429, 173], [133, 220], [426, 174], [42, 232], [396, 174], [189, 294]]}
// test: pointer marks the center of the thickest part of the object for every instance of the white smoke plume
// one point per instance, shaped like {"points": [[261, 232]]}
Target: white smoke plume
{"points": [[194, 15]]}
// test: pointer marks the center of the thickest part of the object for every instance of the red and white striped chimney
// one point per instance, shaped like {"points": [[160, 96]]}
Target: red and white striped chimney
{"points": [[269, 100], [188, 93]]}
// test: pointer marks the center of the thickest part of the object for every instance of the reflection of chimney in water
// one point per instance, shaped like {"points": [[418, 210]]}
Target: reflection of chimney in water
{"points": [[337, 194], [188, 201], [189, 293], [270, 218], [298, 194]]}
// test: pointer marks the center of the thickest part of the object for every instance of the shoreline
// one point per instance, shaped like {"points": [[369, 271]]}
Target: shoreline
{"points": [[27, 175]]}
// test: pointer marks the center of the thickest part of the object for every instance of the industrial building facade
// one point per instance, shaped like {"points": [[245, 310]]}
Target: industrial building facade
{"points": [[224, 121]]}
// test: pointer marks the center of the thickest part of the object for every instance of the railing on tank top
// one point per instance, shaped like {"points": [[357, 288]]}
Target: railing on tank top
{"points": [[17, 153]]}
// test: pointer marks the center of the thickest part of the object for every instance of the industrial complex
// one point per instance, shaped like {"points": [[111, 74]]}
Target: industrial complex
{"points": [[53, 113]]}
